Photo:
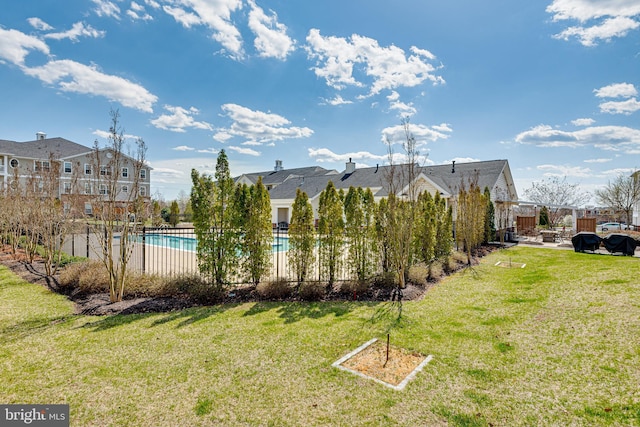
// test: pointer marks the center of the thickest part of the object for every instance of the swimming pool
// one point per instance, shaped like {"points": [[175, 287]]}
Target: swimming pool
{"points": [[190, 244]]}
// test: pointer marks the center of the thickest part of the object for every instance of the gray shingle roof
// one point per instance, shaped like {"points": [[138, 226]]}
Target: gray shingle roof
{"points": [[41, 149], [277, 177], [488, 173]]}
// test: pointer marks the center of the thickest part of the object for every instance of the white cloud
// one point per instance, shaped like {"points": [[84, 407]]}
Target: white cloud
{"points": [[271, 39], [15, 46], [583, 122], [183, 148], [565, 170], [610, 138], [187, 19], [422, 134], [247, 151], [598, 160], [106, 8], [386, 67], [620, 107], [337, 100], [71, 76], [209, 151], [258, 126], [39, 24], [77, 30], [617, 90], [404, 109], [138, 11], [324, 155], [179, 120], [599, 20], [461, 160], [215, 15]]}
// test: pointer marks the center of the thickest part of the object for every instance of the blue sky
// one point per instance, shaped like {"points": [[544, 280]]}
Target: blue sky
{"points": [[552, 86]]}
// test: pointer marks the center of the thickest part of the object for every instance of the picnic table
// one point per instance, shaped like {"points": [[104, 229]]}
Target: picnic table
{"points": [[550, 236]]}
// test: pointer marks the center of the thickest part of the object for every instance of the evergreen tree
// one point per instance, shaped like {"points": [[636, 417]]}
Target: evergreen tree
{"points": [[331, 231], [215, 221], [426, 228], [301, 237], [490, 218], [359, 208], [444, 227], [258, 234], [174, 213], [544, 217]]}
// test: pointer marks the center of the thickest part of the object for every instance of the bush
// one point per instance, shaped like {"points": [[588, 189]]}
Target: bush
{"points": [[436, 271], [146, 285], [70, 276], [312, 291], [358, 286], [93, 278], [194, 286], [386, 280], [275, 289], [419, 274]]}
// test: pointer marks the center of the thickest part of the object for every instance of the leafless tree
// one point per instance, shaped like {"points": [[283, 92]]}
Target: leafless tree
{"points": [[403, 194], [622, 195], [119, 209], [556, 194]]}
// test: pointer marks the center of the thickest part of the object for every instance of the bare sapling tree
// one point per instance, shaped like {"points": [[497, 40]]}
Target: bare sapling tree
{"points": [[622, 195], [401, 205], [117, 202], [53, 205]]}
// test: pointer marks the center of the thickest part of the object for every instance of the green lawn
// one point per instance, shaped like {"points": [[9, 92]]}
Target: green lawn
{"points": [[555, 343]]}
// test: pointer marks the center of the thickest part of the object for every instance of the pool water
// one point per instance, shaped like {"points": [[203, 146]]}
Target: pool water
{"points": [[190, 244]]}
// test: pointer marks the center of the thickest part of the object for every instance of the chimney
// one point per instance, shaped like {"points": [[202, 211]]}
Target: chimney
{"points": [[278, 166], [40, 136], [350, 167], [453, 167]]}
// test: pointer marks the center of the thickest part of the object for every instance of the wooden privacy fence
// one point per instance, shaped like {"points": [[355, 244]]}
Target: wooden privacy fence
{"points": [[525, 224], [586, 224]]}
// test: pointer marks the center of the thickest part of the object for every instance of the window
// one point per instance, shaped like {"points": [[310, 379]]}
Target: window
{"points": [[125, 172], [66, 187], [67, 167], [42, 166], [88, 209], [87, 188], [143, 174], [143, 191], [103, 189], [125, 189], [67, 207], [87, 169], [14, 163], [105, 171]]}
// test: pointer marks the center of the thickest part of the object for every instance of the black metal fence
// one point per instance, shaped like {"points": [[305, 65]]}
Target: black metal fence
{"points": [[173, 251]]}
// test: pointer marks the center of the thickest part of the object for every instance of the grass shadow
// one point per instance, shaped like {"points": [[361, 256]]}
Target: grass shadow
{"points": [[188, 316], [292, 312], [30, 327]]}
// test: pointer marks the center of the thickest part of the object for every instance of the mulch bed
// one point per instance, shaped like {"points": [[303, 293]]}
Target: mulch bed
{"points": [[99, 304], [373, 362]]}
